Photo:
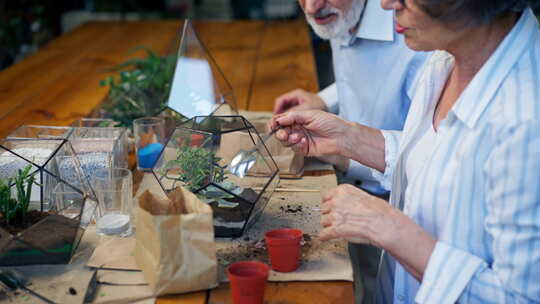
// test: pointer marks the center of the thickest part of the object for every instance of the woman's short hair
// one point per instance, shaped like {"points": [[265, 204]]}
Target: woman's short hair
{"points": [[473, 12]]}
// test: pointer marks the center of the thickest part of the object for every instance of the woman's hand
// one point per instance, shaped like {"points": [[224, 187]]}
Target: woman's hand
{"points": [[352, 214], [313, 133], [318, 133]]}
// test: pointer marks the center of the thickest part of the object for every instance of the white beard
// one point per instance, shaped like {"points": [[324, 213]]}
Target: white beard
{"points": [[343, 23]]}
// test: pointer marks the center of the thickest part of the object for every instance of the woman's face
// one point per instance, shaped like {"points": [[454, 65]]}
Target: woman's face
{"points": [[422, 32]]}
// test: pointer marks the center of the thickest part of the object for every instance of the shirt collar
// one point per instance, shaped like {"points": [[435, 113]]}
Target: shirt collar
{"points": [[375, 24], [483, 87]]}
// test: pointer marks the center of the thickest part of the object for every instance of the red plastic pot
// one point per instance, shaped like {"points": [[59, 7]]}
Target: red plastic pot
{"points": [[196, 140], [248, 281], [284, 248]]}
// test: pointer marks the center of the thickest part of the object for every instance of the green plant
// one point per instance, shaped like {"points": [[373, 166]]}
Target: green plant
{"points": [[196, 166], [142, 87], [14, 210]]}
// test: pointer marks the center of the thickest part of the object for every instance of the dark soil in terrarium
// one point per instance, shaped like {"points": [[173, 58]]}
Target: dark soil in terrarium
{"points": [[32, 217], [230, 222], [48, 240]]}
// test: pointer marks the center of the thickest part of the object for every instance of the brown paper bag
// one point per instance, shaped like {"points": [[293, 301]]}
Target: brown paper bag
{"points": [[175, 246]]}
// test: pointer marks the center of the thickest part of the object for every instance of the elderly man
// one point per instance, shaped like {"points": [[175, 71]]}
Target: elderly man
{"points": [[374, 71]]}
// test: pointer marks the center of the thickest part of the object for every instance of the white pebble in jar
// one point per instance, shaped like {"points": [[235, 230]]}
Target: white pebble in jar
{"points": [[114, 224]]}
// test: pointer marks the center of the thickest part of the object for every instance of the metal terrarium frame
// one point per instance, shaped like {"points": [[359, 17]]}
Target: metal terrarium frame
{"points": [[54, 238], [235, 200]]}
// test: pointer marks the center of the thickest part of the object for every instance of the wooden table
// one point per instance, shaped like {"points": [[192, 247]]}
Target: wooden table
{"points": [[261, 60]]}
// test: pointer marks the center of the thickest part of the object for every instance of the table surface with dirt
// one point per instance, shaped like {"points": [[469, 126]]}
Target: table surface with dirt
{"points": [[261, 59]]}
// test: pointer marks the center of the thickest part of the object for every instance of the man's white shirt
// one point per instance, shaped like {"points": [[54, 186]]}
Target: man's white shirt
{"points": [[374, 70]]}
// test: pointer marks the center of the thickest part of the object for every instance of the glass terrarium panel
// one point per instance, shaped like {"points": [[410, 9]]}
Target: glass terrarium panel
{"points": [[37, 132], [230, 211], [50, 160], [265, 164], [219, 124], [56, 235], [5, 238], [100, 147], [95, 122], [18, 154], [17, 253], [199, 86], [186, 160], [68, 202], [264, 198], [172, 120]]}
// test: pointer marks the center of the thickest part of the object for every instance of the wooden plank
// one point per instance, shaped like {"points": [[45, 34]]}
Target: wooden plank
{"points": [[295, 293], [70, 87], [285, 63], [60, 83], [233, 45], [26, 81]]}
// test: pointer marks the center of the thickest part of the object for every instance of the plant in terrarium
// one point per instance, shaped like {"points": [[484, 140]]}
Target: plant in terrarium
{"points": [[198, 156], [14, 209], [141, 89], [196, 167]]}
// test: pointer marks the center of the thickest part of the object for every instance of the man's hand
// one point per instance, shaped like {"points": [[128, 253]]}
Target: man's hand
{"points": [[298, 100]]}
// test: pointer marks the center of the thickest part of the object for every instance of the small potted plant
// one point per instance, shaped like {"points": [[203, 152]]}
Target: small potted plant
{"points": [[197, 156]]}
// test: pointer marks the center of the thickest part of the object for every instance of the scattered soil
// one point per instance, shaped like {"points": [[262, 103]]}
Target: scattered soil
{"points": [[291, 208], [247, 249], [251, 250]]}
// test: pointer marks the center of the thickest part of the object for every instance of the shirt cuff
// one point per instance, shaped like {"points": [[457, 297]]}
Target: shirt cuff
{"points": [[359, 172], [330, 97], [391, 143], [448, 273]]}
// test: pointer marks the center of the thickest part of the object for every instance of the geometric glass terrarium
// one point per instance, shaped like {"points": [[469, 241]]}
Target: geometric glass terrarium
{"points": [[199, 87], [95, 122], [198, 155], [45, 201], [96, 147], [100, 147]]}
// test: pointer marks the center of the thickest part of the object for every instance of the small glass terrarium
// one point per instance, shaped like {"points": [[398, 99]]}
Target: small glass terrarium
{"points": [[198, 156], [95, 122], [45, 201], [41, 132], [198, 86], [100, 147]]}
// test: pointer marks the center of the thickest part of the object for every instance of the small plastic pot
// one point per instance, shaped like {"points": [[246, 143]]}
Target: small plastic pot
{"points": [[248, 281], [284, 248]]}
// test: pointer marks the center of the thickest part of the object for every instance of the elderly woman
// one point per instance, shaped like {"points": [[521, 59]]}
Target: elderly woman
{"points": [[464, 220]]}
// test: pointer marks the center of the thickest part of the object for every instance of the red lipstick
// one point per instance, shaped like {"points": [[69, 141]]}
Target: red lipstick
{"points": [[400, 29]]}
